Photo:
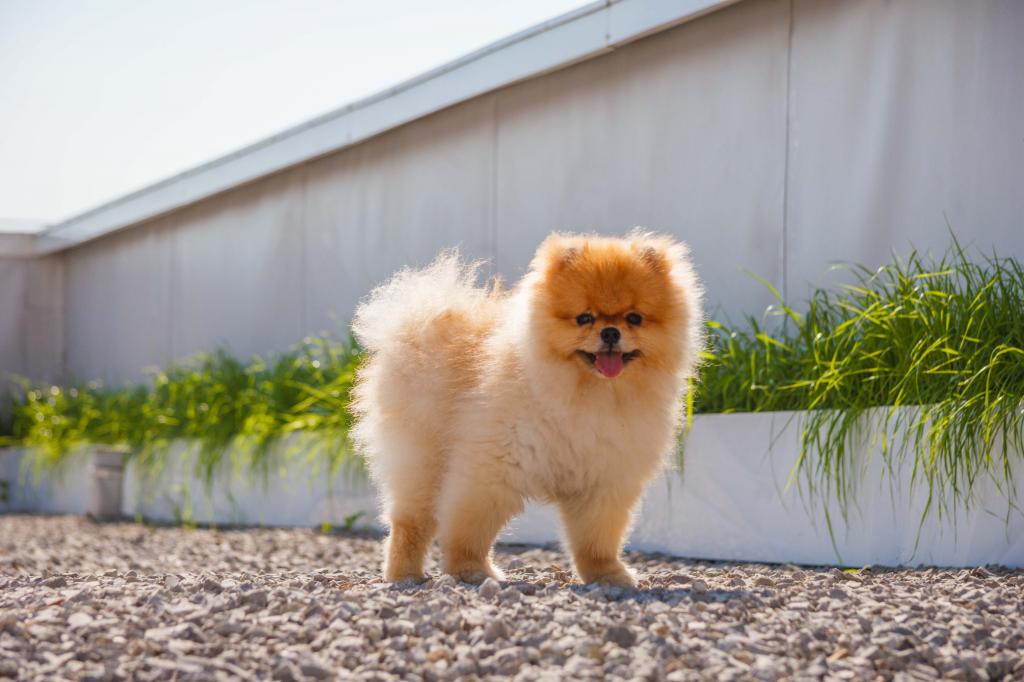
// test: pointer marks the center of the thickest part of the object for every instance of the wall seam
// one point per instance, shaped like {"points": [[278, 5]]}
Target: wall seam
{"points": [[784, 250], [62, 368], [172, 253], [22, 323], [494, 181], [303, 255]]}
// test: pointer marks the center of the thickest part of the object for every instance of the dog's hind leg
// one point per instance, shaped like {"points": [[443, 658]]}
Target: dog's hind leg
{"points": [[474, 507], [410, 477], [407, 545]]}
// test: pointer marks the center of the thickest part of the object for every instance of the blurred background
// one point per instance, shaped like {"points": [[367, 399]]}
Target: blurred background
{"points": [[177, 177]]}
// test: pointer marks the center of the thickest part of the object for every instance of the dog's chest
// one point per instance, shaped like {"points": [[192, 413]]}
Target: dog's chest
{"points": [[565, 453]]}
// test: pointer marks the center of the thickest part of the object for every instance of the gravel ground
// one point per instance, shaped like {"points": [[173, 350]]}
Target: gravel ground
{"points": [[124, 601]]}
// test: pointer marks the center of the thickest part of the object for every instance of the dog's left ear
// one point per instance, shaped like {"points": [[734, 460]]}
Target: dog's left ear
{"points": [[654, 257], [661, 253], [653, 250]]}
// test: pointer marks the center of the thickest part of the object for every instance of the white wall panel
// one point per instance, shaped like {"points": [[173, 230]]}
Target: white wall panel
{"points": [[237, 270], [43, 336], [117, 294], [394, 202], [13, 284], [31, 319], [903, 115]]}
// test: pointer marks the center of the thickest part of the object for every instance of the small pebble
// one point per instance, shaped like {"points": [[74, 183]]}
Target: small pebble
{"points": [[79, 619], [509, 595], [445, 581], [495, 629], [621, 635], [488, 588]]}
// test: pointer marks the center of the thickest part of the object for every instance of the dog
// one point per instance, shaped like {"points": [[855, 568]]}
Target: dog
{"points": [[566, 389]]}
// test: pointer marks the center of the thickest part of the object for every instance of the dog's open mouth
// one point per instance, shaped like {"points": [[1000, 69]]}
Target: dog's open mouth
{"points": [[609, 362]]}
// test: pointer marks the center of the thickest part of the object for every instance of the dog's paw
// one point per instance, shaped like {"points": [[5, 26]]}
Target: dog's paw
{"points": [[474, 575], [621, 578], [395, 575]]}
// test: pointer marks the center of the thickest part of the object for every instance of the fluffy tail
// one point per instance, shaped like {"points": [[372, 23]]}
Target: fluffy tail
{"points": [[412, 299]]}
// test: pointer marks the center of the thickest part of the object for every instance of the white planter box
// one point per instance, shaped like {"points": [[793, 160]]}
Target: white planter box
{"points": [[65, 494], [730, 503], [291, 495]]}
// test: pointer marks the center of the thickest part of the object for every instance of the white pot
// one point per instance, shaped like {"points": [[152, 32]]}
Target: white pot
{"points": [[107, 484]]}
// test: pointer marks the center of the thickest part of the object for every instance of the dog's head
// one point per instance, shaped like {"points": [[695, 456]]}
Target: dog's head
{"points": [[615, 307]]}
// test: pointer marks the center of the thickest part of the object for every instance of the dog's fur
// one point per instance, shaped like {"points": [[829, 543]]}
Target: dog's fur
{"points": [[473, 400]]}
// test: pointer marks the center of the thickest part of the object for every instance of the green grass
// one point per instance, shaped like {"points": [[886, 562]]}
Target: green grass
{"points": [[924, 356], [213, 400]]}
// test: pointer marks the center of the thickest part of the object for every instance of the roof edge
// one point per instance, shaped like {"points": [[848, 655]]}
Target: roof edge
{"points": [[581, 34]]}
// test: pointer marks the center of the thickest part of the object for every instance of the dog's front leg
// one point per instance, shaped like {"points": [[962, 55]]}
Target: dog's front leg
{"points": [[596, 525]]}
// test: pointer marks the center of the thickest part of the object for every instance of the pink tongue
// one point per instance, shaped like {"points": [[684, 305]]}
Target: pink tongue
{"points": [[609, 364]]}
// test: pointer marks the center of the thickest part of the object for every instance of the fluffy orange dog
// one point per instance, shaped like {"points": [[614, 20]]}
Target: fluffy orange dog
{"points": [[565, 389]]}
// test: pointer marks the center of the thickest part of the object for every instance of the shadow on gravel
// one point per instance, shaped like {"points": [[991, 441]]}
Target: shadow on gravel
{"points": [[669, 594], [642, 595]]}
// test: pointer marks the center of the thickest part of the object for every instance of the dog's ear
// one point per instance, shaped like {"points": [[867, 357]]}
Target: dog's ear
{"points": [[556, 252], [654, 257], [570, 254], [654, 251], [660, 253]]}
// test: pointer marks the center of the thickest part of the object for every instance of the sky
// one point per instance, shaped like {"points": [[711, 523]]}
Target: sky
{"points": [[102, 97]]}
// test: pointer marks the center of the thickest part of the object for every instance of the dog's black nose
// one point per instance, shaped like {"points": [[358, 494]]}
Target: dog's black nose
{"points": [[610, 335]]}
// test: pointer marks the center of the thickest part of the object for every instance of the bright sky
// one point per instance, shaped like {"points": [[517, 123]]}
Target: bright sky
{"points": [[101, 97]]}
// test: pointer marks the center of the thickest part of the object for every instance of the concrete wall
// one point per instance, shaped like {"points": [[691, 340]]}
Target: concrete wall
{"points": [[775, 136]]}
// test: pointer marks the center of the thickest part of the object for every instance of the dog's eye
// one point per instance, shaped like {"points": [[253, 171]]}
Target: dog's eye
{"points": [[634, 319], [584, 318]]}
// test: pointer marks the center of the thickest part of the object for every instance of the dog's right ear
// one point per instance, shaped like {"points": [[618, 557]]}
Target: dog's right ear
{"points": [[556, 252]]}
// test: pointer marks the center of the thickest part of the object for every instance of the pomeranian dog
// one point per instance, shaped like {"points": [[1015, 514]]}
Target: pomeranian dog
{"points": [[566, 389]]}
